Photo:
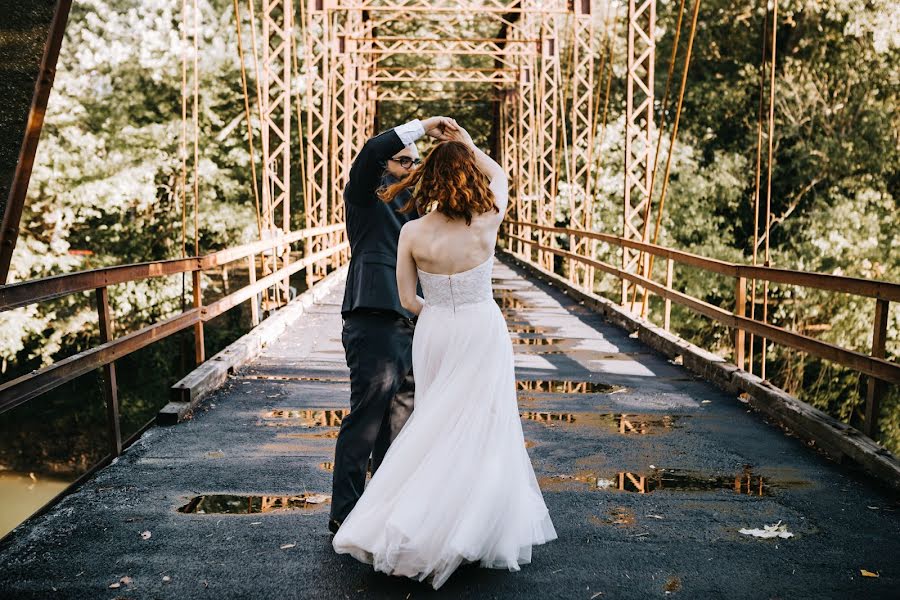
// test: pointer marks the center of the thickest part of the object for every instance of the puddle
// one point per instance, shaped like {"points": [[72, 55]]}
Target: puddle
{"points": [[281, 417], [220, 504], [571, 350], [640, 424], [562, 386], [329, 467], [296, 378], [521, 327], [506, 300], [289, 449], [745, 483], [326, 434], [545, 341]]}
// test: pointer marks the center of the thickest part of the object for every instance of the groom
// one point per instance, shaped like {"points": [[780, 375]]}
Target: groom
{"points": [[377, 331]]}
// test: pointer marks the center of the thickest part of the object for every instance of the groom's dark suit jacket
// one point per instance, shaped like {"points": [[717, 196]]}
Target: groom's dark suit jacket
{"points": [[373, 228]]}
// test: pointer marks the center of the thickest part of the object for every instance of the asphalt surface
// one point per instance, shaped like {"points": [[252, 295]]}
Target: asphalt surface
{"points": [[649, 478]]}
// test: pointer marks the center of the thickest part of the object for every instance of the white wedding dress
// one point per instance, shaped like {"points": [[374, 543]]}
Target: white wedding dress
{"points": [[456, 485]]}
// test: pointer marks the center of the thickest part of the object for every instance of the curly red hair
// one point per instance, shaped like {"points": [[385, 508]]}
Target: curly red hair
{"points": [[450, 179]]}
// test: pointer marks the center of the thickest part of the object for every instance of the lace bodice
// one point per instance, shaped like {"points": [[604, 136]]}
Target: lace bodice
{"points": [[454, 291]]}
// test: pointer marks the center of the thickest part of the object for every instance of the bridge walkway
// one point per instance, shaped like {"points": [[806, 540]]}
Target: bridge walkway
{"points": [[648, 472]]}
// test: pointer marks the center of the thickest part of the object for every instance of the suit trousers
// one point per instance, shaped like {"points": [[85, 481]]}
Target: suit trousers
{"points": [[378, 347]]}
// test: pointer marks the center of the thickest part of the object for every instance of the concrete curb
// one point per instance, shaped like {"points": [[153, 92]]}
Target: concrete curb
{"points": [[197, 384], [837, 439]]}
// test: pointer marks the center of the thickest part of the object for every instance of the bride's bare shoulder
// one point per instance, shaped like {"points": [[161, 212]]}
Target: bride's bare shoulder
{"points": [[414, 230]]}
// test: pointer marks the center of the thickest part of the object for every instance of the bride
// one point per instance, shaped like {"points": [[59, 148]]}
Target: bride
{"points": [[456, 485]]}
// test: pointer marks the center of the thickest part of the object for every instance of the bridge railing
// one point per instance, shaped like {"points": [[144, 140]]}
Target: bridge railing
{"points": [[874, 364], [31, 385]]}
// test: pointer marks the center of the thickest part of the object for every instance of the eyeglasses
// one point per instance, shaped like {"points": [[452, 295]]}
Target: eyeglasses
{"points": [[406, 162]]}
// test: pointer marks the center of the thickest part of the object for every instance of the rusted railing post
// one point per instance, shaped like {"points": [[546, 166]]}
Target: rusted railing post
{"points": [[875, 388], [199, 346], [254, 309], [286, 260], [740, 309], [668, 302], [109, 375]]}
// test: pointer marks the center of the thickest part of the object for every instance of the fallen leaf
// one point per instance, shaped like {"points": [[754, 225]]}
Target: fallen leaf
{"points": [[869, 573], [146, 535], [126, 580], [769, 531], [317, 499], [166, 578], [115, 585], [286, 546]]}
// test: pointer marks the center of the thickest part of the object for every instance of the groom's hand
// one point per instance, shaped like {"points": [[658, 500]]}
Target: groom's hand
{"points": [[439, 127]]}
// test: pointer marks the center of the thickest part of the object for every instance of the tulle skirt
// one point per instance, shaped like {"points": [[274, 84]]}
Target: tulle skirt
{"points": [[457, 484]]}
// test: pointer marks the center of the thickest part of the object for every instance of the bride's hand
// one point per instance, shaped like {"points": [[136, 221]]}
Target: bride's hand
{"points": [[458, 134], [439, 127]]}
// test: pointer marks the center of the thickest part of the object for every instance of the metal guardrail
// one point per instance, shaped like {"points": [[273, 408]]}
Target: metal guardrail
{"points": [[874, 364], [31, 385]]}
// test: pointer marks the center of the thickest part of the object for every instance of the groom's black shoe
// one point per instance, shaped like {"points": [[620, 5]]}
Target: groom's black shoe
{"points": [[334, 525]]}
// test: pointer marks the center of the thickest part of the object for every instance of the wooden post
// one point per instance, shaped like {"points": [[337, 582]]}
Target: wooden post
{"points": [[199, 346], [254, 309], [109, 375], [740, 308], [668, 303], [875, 387]]}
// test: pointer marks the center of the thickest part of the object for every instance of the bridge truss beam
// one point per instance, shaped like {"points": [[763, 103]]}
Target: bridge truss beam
{"points": [[512, 58], [638, 131]]}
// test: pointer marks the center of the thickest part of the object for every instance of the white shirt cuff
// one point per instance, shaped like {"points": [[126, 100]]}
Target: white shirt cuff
{"points": [[410, 132]]}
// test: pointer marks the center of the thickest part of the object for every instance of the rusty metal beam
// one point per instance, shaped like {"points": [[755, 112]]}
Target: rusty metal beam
{"points": [[870, 365], [16, 295], [638, 128], [582, 139], [884, 290], [12, 215], [31, 385]]}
